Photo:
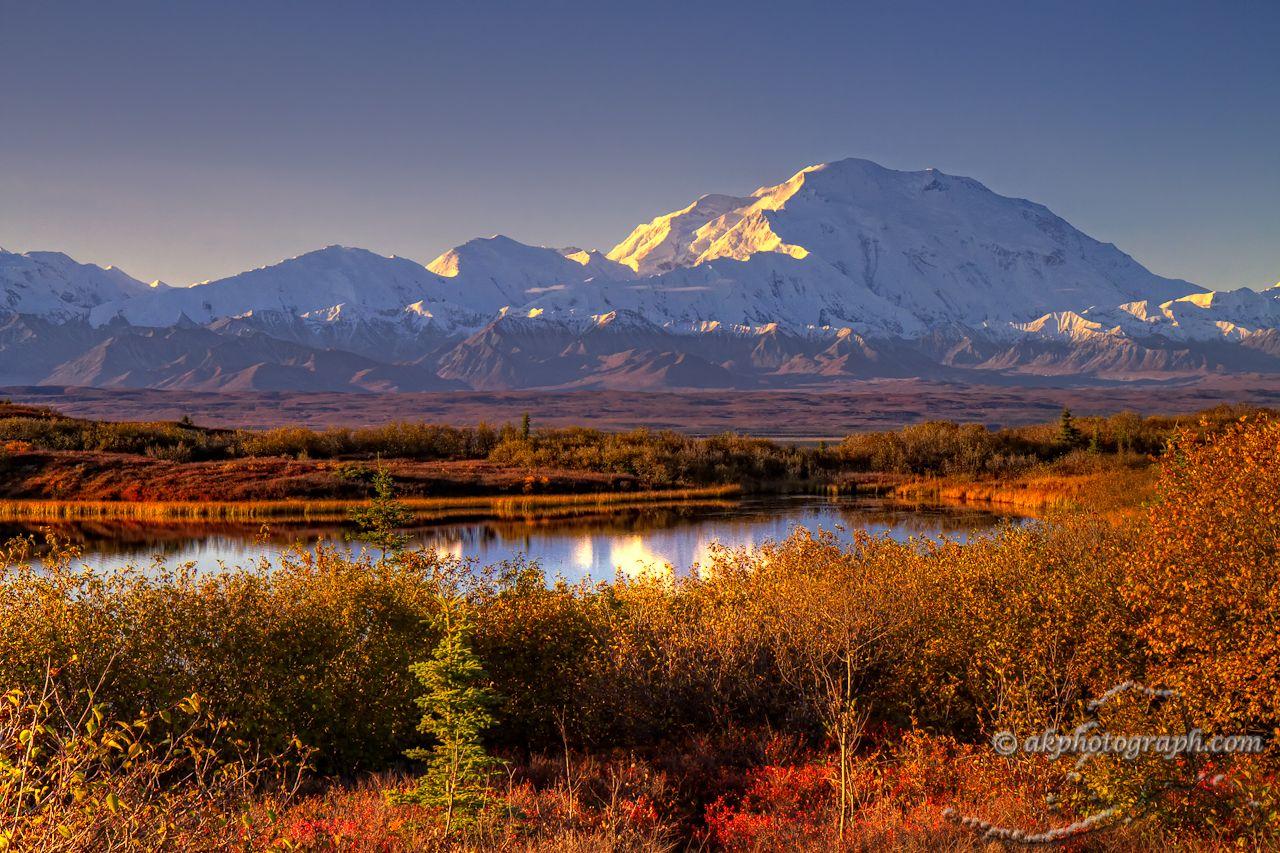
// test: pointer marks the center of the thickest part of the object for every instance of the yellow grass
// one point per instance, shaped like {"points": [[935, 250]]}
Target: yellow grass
{"points": [[1121, 490], [333, 510], [1031, 495]]}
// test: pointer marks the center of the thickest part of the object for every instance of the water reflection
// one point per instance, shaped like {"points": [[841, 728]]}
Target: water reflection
{"points": [[595, 544]]}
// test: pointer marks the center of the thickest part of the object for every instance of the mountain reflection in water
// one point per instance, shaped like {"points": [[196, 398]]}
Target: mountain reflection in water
{"points": [[594, 544]]}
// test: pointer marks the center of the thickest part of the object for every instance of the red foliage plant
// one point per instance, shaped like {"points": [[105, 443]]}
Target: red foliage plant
{"points": [[778, 801]]}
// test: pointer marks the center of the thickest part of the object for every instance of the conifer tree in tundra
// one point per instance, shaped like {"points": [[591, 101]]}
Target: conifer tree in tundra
{"points": [[455, 712]]}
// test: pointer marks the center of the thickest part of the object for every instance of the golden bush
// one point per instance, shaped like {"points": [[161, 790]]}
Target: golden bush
{"points": [[1204, 575]]}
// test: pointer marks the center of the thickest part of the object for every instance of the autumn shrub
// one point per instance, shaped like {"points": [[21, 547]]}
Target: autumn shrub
{"points": [[425, 441], [316, 646], [50, 431], [1024, 621], [292, 441], [902, 784], [931, 447], [944, 448], [806, 633], [1013, 629], [782, 806], [657, 459], [1225, 799], [74, 777], [547, 647], [607, 806], [1204, 579], [662, 458]]}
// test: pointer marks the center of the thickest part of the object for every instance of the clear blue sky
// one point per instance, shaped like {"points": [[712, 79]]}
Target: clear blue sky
{"points": [[187, 141]]}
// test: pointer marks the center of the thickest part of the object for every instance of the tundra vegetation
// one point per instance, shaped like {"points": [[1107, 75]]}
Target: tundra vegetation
{"points": [[804, 695], [45, 456]]}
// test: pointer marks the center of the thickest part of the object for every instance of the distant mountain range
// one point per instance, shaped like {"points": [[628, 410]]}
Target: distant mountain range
{"points": [[847, 270]]}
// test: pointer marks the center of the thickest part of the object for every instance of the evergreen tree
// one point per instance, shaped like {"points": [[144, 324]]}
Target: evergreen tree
{"points": [[456, 712], [524, 427], [1068, 433], [380, 521]]}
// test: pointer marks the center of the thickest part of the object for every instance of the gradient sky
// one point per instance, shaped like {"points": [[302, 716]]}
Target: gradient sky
{"points": [[187, 141]]}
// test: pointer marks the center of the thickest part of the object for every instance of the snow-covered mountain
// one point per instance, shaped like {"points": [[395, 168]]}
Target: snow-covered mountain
{"points": [[328, 285], [53, 286], [846, 270], [945, 248], [492, 273], [767, 288], [669, 240], [1232, 315]]}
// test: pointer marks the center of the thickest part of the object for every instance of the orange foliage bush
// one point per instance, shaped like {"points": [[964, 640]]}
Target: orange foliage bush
{"points": [[1204, 579]]}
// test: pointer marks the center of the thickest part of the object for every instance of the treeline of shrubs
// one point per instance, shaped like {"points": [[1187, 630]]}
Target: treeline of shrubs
{"points": [[819, 640], [186, 442], [661, 458], [946, 448]]}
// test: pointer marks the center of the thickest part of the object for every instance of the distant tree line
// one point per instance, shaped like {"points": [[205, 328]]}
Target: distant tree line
{"points": [[655, 458]]}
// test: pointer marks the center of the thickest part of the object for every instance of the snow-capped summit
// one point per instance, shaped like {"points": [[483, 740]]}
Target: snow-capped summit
{"points": [[596, 264], [55, 287], [490, 273], [943, 247], [672, 240], [326, 282]]}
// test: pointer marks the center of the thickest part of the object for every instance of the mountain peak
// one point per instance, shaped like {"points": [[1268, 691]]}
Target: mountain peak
{"points": [[301, 286], [55, 286], [449, 264], [498, 271], [336, 250], [668, 241], [940, 246]]}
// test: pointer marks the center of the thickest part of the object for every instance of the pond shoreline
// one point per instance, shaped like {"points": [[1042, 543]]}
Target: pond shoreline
{"points": [[337, 509], [1027, 495], [574, 540]]}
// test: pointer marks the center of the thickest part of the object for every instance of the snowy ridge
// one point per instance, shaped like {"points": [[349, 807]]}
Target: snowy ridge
{"points": [[336, 280], [673, 239], [53, 286], [769, 288], [490, 273], [1205, 316]]}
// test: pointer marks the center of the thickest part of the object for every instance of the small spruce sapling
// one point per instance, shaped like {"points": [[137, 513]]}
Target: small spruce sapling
{"points": [[456, 711], [379, 523], [1068, 432]]}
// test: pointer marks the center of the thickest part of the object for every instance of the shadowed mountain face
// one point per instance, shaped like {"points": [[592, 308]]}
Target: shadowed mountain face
{"points": [[845, 271]]}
